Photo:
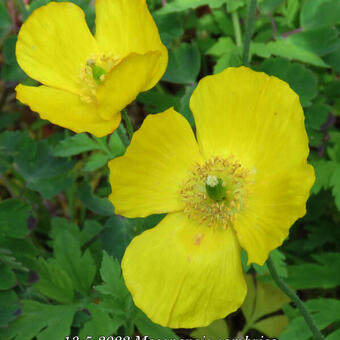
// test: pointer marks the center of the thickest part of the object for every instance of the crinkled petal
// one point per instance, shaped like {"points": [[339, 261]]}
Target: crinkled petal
{"points": [[183, 274], [148, 178], [259, 120], [54, 44], [126, 26], [273, 205], [65, 109], [126, 80], [256, 117]]}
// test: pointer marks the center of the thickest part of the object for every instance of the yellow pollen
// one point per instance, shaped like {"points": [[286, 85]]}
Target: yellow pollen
{"points": [[205, 210], [87, 82]]}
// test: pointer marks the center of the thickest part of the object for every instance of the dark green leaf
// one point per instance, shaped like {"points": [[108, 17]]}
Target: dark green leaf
{"points": [[14, 216], [184, 64], [100, 206]]}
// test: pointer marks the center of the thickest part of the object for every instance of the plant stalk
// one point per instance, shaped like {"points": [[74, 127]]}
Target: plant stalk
{"points": [[299, 304], [249, 32]]}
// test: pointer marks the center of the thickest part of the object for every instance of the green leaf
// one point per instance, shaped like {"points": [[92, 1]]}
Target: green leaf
{"points": [[316, 115], [215, 331], [7, 277], [155, 102], [100, 206], [221, 47], [279, 260], [321, 274], [302, 81], [54, 282], [10, 70], [99, 323], [169, 26], [43, 172], [5, 20], [7, 119], [288, 49], [320, 41], [116, 145], [43, 321], [117, 234], [9, 306], [184, 104], [79, 267], [334, 335], [319, 13], [233, 5], [184, 64], [147, 328], [111, 275], [332, 59], [335, 183], [90, 229], [324, 312], [263, 299], [323, 172], [96, 161], [75, 145], [14, 215], [182, 5], [270, 5]]}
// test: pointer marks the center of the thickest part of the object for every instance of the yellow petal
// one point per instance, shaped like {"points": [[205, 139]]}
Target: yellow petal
{"points": [[126, 80], [126, 26], [253, 116], [259, 120], [147, 179], [183, 274], [65, 109], [54, 44], [273, 205]]}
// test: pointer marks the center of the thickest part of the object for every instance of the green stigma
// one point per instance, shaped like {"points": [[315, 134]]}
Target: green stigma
{"points": [[98, 73], [215, 188]]}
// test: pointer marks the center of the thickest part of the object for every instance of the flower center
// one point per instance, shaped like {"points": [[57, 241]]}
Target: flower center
{"points": [[93, 73], [215, 191]]}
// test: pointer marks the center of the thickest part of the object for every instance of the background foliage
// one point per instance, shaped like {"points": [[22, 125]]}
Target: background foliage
{"points": [[60, 241]]}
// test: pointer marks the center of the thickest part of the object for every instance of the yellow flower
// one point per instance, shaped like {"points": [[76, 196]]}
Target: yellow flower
{"points": [[87, 80], [241, 185]]}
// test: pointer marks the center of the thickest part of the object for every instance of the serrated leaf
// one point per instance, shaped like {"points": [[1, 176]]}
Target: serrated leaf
{"points": [[335, 183], [111, 275], [9, 306], [323, 172], [117, 234], [324, 312], [79, 267], [100, 206], [99, 323], [43, 321], [147, 328], [14, 215], [75, 145], [324, 273], [54, 282], [7, 277]]}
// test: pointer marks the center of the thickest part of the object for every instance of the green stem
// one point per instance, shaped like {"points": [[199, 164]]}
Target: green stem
{"points": [[128, 123], [249, 32], [299, 304], [237, 28]]}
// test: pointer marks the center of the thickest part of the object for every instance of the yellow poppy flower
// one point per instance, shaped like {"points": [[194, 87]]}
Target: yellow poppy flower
{"points": [[87, 80], [241, 185]]}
